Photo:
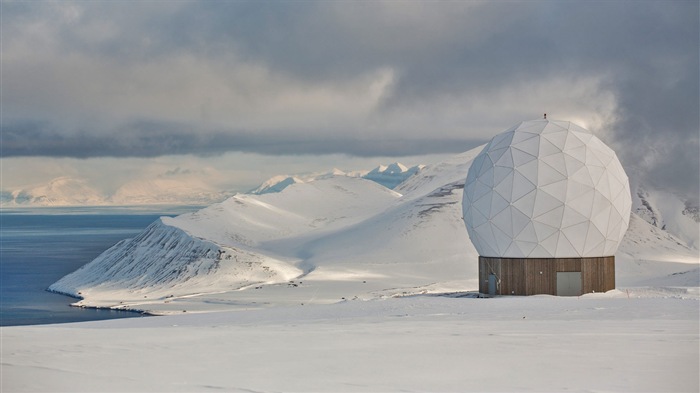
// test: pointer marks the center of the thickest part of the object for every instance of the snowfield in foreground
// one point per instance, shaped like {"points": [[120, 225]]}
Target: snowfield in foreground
{"points": [[598, 342]]}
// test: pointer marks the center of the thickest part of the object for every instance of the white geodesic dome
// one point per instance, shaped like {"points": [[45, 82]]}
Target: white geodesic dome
{"points": [[546, 189]]}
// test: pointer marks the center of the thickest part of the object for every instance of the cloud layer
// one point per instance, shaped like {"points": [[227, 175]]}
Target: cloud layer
{"points": [[94, 79]]}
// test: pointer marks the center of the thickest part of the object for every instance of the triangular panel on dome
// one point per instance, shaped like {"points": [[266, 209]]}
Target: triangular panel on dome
{"points": [[583, 203], [546, 174], [520, 157], [544, 230], [487, 164], [528, 233], [530, 145], [519, 219], [574, 189], [610, 247], [521, 186], [502, 240], [545, 202], [572, 217], [541, 252], [526, 203], [525, 247], [498, 203], [550, 243], [557, 138], [500, 173], [557, 162], [513, 251], [565, 249], [618, 201], [555, 127], [506, 159], [486, 178], [603, 185], [529, 171], [505, 187], [581, 134], [502, 140], [601, 219], [556, 189], [478, 216], [593, 159], [521, 136], [475, 168], [583, 176], [504, 221], [487, 241], [573, 142], [595, 242], [480, 189], [483, 204], [495, 155], [615, 227], [576, 235], [552, 218], [547, 148], [573, 165], [563, 124], [532, 126]]}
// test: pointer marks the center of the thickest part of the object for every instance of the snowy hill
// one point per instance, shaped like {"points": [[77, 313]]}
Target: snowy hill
{"points": [[326, 239]]}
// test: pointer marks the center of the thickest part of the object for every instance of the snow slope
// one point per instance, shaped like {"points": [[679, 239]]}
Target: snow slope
{"points": [[595, 343], [330, 238]]}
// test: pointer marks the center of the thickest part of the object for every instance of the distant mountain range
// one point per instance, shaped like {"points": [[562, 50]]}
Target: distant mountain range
{"points": [[67, 191]]}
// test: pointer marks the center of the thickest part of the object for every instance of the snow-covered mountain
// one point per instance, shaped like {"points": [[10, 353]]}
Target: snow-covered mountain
{"points": [[276, 184], [389, 176], [392, 175], [61, 191], [325, 239], [669, 212], [66, 191]]}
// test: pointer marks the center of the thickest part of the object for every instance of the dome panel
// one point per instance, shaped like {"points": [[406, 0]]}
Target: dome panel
{"points": [[546, 189], [548, 148], [526, 248], [520, 157]]}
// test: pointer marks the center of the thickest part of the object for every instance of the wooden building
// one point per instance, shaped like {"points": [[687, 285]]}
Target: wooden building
{"points": [[552, 276]]}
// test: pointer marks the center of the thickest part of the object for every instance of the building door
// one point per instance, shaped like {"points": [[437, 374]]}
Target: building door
{"points": [[569, 283], [492, 284]]}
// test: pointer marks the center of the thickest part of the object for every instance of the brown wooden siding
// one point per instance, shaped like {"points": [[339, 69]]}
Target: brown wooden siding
{"points": [[532, 276]]}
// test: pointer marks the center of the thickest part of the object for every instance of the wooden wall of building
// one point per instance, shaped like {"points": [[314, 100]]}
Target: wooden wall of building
{"points": [[532, 276]]}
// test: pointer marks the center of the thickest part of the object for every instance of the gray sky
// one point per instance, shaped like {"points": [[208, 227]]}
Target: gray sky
{"points": [[129, 82]]}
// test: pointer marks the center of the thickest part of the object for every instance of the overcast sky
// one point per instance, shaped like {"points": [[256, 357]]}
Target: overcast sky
{"points": [[121, 84]]}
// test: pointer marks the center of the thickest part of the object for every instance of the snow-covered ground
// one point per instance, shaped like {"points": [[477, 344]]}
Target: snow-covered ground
{"points": [[596, 343], [337, 283]]}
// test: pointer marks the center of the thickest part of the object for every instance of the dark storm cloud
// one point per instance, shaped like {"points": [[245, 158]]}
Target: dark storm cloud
{"points": [[152, 139], [644, 53]]}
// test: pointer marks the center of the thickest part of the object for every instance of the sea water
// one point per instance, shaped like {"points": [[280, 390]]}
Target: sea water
{"points": [[39, 246]]}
